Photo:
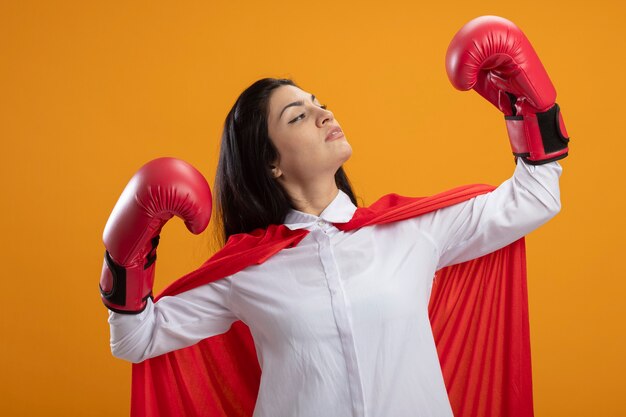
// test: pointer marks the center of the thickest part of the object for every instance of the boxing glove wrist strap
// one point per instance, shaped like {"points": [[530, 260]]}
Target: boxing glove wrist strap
{"points": [[126, 289], [538, 138]]}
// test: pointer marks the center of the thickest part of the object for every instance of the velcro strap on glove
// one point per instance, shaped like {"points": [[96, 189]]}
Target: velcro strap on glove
{"points": [[125, 290], [538, 138]]}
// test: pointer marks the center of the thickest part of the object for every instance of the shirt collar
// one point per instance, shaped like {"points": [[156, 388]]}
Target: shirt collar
{"points": [[340, 210]]}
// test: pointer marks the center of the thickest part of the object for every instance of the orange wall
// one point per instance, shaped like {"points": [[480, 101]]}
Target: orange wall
{"points": [[91, 90]]}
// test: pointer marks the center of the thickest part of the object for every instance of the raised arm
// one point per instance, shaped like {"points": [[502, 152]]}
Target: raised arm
{"points": [[494, 58], [161, 189]]}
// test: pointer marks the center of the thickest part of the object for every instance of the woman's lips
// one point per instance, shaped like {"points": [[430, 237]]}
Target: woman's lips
{"points": [[335, 133]]}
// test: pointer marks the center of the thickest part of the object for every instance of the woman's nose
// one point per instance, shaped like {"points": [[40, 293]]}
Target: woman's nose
{"points": [[324, 117]]}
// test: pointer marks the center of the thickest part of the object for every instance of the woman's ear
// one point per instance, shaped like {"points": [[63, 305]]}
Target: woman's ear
{"points": [[276, 172]]}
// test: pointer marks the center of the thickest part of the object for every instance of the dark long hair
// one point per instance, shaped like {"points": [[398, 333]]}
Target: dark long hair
{"points": [[247, 195]]}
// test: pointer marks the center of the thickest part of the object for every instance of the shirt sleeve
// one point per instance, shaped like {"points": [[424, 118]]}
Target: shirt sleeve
{"points": [[172, 322], [490, 221]]}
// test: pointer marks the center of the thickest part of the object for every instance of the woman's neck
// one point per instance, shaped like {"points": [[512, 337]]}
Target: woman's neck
{"points": [[312, 198]]}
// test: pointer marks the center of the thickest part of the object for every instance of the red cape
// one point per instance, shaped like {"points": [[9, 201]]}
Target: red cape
{"points": [[478, 312]]}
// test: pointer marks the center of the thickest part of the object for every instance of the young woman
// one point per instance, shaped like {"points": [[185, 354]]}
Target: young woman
{"points": [[340, 321]]}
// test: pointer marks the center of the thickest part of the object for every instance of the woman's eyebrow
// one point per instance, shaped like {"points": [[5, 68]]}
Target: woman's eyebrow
{"points": [[295, 103]]}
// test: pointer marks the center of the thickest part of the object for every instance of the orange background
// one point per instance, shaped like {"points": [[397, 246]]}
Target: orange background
{"points": [[91, 90]]}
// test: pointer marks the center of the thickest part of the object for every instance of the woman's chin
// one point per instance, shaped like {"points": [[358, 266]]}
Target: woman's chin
{"points": [[346, 153]]}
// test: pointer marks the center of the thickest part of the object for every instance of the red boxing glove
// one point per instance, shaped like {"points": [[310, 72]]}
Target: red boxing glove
{"points": [[492, 56], [161, 189]]}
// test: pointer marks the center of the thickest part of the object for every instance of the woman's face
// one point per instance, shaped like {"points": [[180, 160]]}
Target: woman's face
{"points": [[299, 128]]}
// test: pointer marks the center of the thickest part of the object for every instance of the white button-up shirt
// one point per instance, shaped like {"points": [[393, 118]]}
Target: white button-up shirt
{"points": [[340, 321]]}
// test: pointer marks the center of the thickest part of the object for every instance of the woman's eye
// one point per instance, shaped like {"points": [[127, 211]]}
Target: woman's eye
{"points": [[297, 118], [322, 106]]}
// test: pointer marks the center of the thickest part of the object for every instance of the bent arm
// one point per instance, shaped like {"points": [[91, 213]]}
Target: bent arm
{"points": [[172, 322], [490, 221]]}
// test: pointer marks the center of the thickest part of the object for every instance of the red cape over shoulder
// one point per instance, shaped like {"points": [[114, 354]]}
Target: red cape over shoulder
{"points": [[478, 312]]}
